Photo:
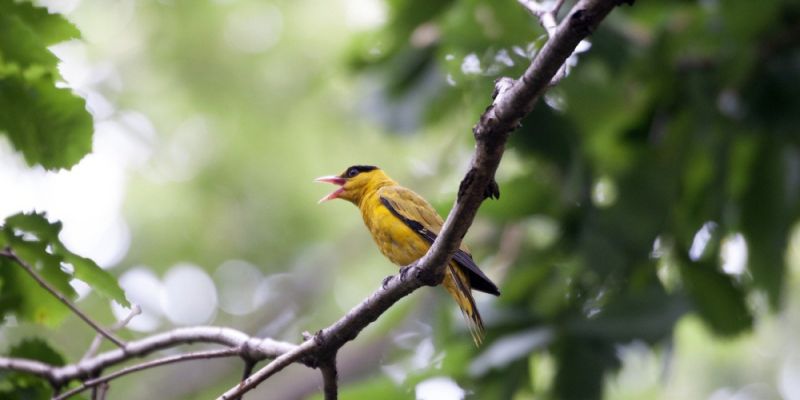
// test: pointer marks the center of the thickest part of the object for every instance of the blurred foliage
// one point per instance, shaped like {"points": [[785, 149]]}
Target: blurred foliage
{"points": [[676, 131], [48, 124], [15, 385], [34, 240], [683, 110]]}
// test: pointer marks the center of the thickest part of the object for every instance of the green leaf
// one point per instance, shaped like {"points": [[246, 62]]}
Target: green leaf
{"points": [[50, 126], [83, 268], [35, 223], [582, 364], [768, 210], [20, 45], [51, 28], [648, 315], [22, 296], [37, 349], [96, 277], [716, 298]]}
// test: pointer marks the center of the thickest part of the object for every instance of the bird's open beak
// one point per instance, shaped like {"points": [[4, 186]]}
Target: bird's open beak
{"points": [[334, 180]]}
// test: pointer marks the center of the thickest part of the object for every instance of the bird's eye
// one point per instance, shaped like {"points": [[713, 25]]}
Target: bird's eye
{"points": [[352, 172]]}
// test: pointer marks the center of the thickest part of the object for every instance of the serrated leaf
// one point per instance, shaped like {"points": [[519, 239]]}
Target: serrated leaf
{"points": [[20, 45], [50, 126], [96, 277], [23, 297], [36, 224], [50, 28], [83, 268]]}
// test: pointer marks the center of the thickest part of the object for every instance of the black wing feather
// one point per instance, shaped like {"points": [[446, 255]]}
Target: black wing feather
{"points": [[477, 279]]}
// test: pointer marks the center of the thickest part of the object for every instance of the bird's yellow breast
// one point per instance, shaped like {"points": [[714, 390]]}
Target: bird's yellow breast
{"points": [[399, 243]]}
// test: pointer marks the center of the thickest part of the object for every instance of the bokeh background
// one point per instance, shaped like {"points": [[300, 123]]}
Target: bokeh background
{"points": [[645, 240]]}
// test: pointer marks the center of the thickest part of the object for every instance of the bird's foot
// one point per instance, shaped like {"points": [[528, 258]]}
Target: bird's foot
{"points": [[403, 275]]}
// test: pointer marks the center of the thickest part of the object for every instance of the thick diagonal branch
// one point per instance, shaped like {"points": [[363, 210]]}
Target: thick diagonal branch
{"points": [[514, 99]]}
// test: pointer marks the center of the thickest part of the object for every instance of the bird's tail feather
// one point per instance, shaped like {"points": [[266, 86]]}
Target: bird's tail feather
{"points": [[457, 284]]}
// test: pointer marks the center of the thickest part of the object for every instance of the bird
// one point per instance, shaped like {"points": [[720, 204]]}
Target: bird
{"points": [[404, 226]]}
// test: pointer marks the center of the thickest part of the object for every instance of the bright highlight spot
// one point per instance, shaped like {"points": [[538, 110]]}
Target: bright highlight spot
{"points": [[508, 349], [140, 285], [439, 388], [734, 254], [238, 284], [701, 239], [604, 192], [471, 65], [364, 14], [789, 378], [188, 296]]}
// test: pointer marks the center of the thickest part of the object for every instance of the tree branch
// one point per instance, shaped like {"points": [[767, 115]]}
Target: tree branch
{"points": [[330, 377], [100, 381], [513, 100], [244, 345], [270, 369], [95, 345], [10, 254], [547, 16]]}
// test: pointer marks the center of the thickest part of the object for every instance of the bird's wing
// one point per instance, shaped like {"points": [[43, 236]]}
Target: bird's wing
{"points": [[421, 217]]}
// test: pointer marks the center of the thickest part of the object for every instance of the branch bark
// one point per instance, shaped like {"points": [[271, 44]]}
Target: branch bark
{"points": [[101, 381], [244, 345], [330, 379]]}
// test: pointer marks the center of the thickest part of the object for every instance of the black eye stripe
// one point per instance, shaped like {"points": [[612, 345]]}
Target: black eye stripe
{"points": [[357, 169]]}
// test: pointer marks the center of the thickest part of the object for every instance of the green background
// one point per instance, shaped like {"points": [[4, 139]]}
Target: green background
{"points": [[627, 196]]}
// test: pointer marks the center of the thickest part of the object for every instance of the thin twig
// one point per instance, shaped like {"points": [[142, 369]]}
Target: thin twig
{"points": [[548, 19], [146, 365], [276, 365], [330, 377], [102, 390], [557, 7], [98, 339], [248, 370], [9, 253]]}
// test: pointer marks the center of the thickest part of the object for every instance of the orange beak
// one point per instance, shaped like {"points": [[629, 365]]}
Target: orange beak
{"points": [[334, 180]]}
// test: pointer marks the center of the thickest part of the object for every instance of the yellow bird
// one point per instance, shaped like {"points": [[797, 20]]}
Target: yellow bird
{"points": [[404, 226]]}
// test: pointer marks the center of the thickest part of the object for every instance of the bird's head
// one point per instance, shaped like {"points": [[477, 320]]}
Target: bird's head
{"points": [[355, 182]]}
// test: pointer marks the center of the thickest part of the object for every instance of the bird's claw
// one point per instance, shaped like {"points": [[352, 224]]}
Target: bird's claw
{"points": [[386, 281]]}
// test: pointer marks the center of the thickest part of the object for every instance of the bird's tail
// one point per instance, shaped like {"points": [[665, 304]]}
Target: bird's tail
{"points": [[457, 284]]}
